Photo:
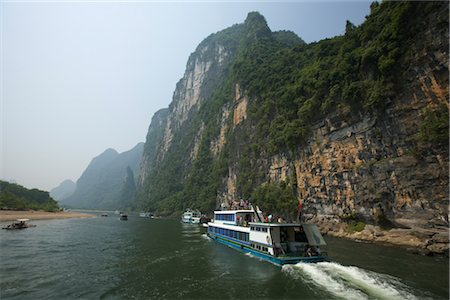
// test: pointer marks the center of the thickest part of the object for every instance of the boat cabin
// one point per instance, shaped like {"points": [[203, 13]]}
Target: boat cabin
{"points": [[286, 239], [234, 217]]}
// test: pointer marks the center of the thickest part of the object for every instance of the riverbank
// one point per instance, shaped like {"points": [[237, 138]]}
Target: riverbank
{"points": [[418, 240], [10, 215]]}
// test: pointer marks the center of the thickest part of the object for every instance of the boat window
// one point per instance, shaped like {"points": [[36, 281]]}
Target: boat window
{"points": [[264, 229], [225, 217], [258, 228], [300, 235]]}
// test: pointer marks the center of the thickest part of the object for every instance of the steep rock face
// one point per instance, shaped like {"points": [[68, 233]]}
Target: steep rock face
{"points": [[153, 143], [203, 68], [371, 164]]}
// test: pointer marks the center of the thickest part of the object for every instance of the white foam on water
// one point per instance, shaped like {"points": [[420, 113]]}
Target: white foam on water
{"points": [[206, 237], [335, 286], [380, 286], [350, 282]]}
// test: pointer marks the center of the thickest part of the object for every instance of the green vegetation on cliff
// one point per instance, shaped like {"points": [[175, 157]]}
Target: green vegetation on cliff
{"points": [[359, 71], [17, 197]]}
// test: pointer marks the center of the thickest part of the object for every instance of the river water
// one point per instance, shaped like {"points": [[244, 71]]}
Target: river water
{"points": [[143, 258]]}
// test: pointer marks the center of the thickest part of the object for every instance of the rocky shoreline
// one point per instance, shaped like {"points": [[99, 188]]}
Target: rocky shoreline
{"points": [[430, 241]]}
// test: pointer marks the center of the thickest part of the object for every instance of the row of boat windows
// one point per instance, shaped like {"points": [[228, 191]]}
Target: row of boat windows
{"points": [[225, 217], [230, 233], [259, 247], [254, 228]]}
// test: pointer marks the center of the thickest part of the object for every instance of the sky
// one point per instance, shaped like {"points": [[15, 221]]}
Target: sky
{"points": [[79, 77]]}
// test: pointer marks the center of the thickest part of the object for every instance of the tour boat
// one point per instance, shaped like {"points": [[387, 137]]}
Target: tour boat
{"points": [[19, 224], [278, 243], [191, 216]]}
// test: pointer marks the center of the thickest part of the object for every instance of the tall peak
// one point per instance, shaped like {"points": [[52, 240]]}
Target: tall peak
{"points": [[255, 17], [256, 26]]}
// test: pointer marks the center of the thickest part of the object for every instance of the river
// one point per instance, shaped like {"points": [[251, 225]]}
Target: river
{"points": [[105, 258]]}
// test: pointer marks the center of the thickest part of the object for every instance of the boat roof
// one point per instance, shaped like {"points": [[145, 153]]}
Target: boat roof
{"points": [[276, 224], [22, 220], [312, 232], [234, 211]]}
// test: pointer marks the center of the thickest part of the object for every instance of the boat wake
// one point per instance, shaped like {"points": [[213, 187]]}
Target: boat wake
{"points": [[350, 282]]}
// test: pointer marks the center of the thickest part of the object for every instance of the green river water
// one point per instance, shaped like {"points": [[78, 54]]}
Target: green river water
{"points": [[104, 258]]}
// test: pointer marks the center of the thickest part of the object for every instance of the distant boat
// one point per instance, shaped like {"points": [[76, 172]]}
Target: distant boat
{"points": [[104, 215], [117, 212], [123, 217], [19, 224], [191, 216], [145, 215]]}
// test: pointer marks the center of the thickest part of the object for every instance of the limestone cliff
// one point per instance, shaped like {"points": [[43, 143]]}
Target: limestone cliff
{"points": [[354, 127]]}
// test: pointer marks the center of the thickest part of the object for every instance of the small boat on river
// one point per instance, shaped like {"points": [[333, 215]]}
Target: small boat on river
{"points": [[123, 217], [145, 215], [278, 243], [19, 224], [191, 216]]}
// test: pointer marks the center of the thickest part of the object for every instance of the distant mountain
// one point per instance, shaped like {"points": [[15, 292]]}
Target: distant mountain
{"points": [[106, 181], [64, 190]]}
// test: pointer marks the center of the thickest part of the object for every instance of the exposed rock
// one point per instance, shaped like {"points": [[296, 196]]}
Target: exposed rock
{"points": [[440, 248], [240, 106], [217, 145]]}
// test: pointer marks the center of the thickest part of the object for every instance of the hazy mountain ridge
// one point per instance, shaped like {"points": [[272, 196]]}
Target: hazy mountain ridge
{"points": [[101, 184], [64, 190]]}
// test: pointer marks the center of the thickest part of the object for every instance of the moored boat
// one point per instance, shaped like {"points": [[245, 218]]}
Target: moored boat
{"points": [[145, 215], [191, 216], [19, 224], [278, 243]]}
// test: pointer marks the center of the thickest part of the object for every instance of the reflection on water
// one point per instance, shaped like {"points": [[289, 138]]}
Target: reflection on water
{"points": [[157, 258]]}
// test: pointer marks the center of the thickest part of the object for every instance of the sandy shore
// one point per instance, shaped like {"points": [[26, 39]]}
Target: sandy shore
{"points": [[10, 215]]}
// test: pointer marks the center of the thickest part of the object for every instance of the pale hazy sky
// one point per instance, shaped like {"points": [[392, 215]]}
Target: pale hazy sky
{"points": [[78, 77]]}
